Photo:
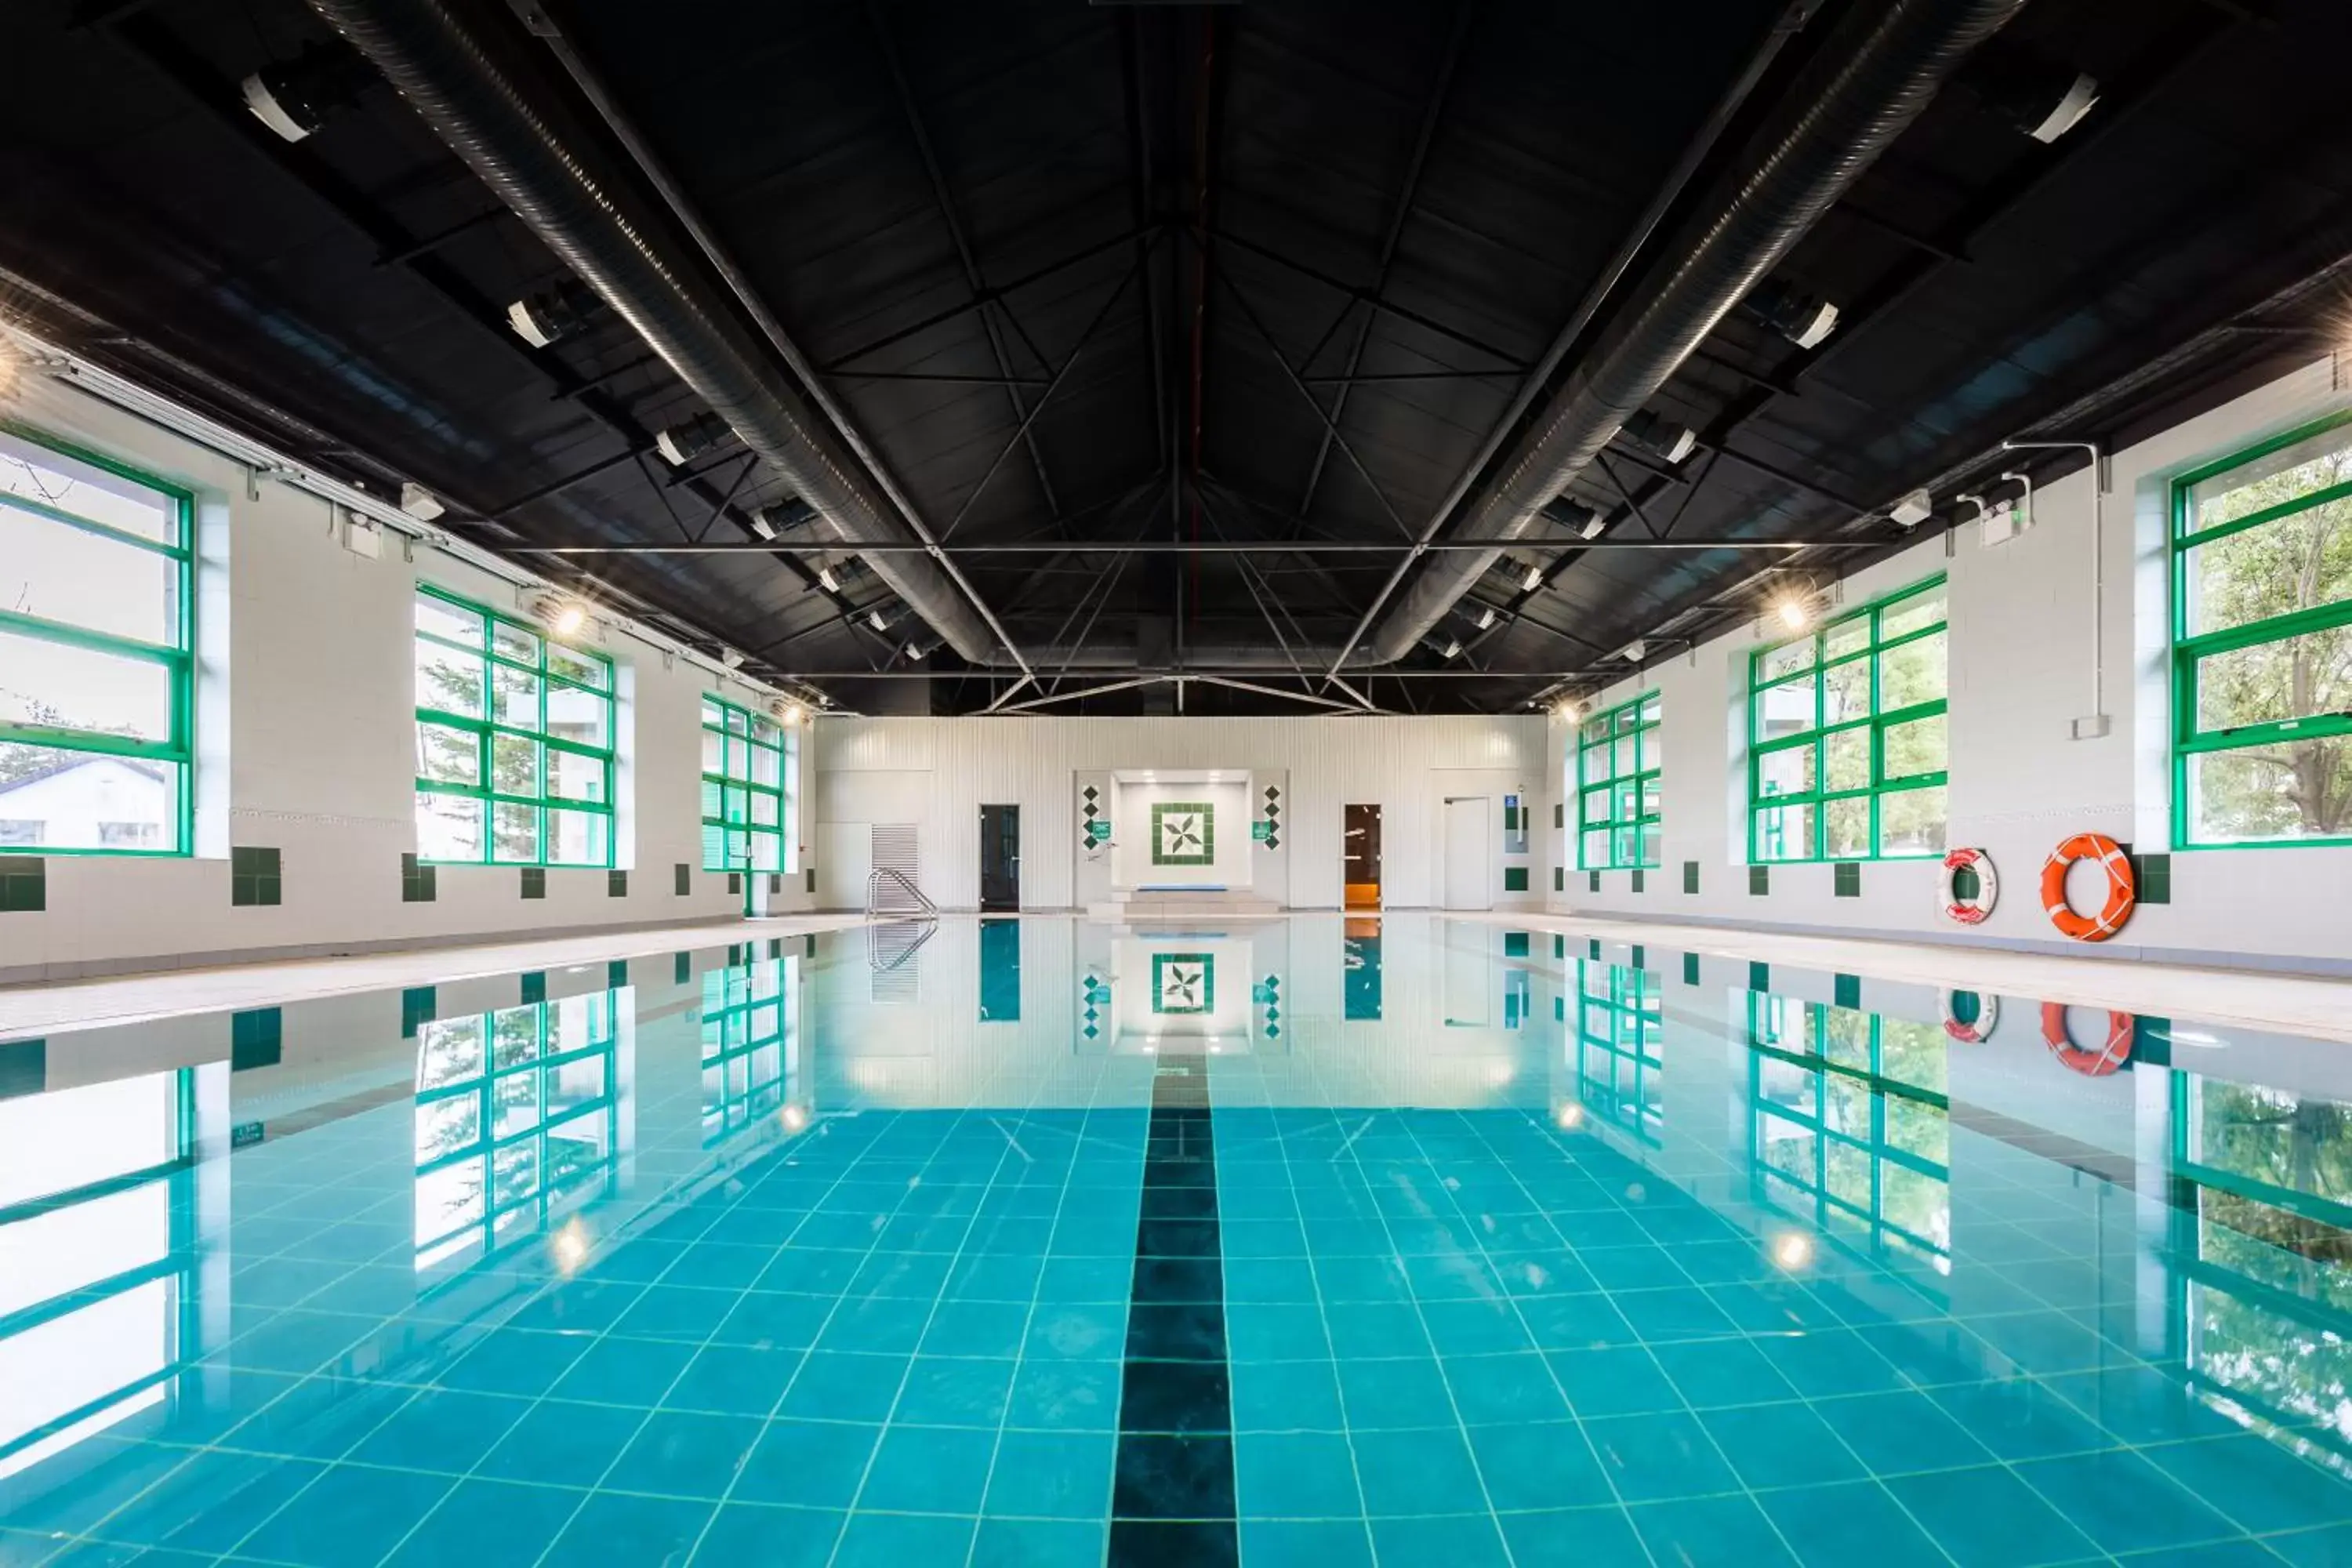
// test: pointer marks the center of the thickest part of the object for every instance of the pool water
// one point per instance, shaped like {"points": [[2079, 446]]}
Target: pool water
{"points": [[1302, 1241]]}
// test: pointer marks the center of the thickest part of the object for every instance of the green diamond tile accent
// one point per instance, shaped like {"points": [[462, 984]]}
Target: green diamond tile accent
{"points": [[534, 881], [253, 877], [735, 883], [256, 1038], [1759, 880], [1594, 884], [1639, 884], [617, 884], [1515, 944], [1690, 875], [616, 974], [682, 969], [24, 884], [23, 1068], [419, 883], [1593, 948], [417, 1005], [1559, 878], [684, 880], [534, 987], [1760, 976], [1846, 879], [1515, 878], [2152, 877], [1847, 989], [1690, 969]]}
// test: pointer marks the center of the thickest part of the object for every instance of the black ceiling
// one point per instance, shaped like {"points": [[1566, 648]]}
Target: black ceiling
{"points": [[1217, 235]]}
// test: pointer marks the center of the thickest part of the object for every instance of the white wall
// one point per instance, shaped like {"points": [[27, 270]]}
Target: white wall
{"points": [[2022, 658], [305, 736], [939, 771]]}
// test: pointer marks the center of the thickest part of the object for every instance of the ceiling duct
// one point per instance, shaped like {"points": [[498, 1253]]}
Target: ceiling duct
{"points": [[1909, 52], [471, 105]]}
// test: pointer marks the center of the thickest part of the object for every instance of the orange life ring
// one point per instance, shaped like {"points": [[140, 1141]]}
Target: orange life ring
{"points": [[1971, 910], [2121, 894], [2114, 1053], [1977, 1030]]}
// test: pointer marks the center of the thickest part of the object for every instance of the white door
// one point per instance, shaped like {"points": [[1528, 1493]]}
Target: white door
{"points": [[1468, 869]]}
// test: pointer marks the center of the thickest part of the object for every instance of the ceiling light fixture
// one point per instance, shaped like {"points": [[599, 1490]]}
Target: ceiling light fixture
{"points": [[781, 518], [1582, 520], [564, 617], [1793, 613], [1634, 652], [1532, 581], [2042, 97], [419, 502], [732, 658], [921, 649], [295, 97], [1485, 616], [551, 314], [1805, 319], [1660, 435], [877, 620], [1913, 509], [690, 438]]}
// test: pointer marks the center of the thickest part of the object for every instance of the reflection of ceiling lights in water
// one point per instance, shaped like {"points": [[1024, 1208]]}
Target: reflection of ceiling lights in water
{"points": [[794, 1118], [569, 1248], [1792, 1250], [1571, 1117]]}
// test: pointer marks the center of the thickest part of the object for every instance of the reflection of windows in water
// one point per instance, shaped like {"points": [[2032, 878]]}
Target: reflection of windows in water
{"points": [[1618, 1067], [2266, 1293], [100, 1281], [128, 835], [750, 1024], [1848, 1125], [517, 1122], [17, 830]]}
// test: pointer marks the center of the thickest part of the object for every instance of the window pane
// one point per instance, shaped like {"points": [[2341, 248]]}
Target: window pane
{"points": [[1848, 824], [1628, 758], [514, 697], [2294, 563], [1785, 660], [86, 490], [1785, 709], [767, 766], [1846, 754], [517, 831], [448, 755], [61, 574], [1911, 822], [570, 776], [2312, 464], [62, 799], [60, 688], [2294, 789], [1917, 747], [2294, 678], [514, 765], [1914, 614], [1911, 673], [585, 668], [738, 808], [581, 716], [1652, 796], [1788, 770], [1845, 692], [1652, 706], [767, 852], [1625, 845], [577, 838], [511, 641], [1850, 636], [1596, 805], [449, 826], [714, 752], [763, 809], [444, 619], [1651, 840], [1784, 833], [447, 680]]}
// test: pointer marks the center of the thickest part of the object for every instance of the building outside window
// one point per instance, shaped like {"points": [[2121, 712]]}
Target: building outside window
{"points": [[1847, 744], [514, 742], [1619, 791], [2262, 688], [750, 816], [97, 699]]}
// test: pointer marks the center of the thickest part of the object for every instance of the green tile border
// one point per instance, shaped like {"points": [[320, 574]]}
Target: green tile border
{"points": [[1208, 816]]}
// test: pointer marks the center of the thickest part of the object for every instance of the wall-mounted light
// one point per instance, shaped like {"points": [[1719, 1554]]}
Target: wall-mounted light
{"points": [[785, 712], [1913, 509], [1794, 612], [295, 97], [1661, 436], [1805, 319], [1634, 652], [419, 502], [681, 443], [564, 617], [551, 314]]}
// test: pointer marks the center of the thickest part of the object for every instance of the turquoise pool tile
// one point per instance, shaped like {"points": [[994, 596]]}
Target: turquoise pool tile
{"points": [[976, 1329], [1653, 1457], [1894, 1433], [1821, 1363], [1780, 1446], [771, 1536], [2257, 1482], [2329, 1546], [1986, 1517], [1305, 1543], [1710, 1373], [1424, 1472], [1276, 1332], [1073, 1395], [2123, 1502], [1039, 1543], [898, 1540], [623, 1371], [193, 1500], [1613, 1381], [1712, 1533], [1387, 1395], [807, 1464], [735, 1380], [1485, 1326], [628, 1531], [1853, 1522], [1492, 1389], [351, 1515], [955, 1391], [1051, 1475], [2021, 1419], [1295, 1475], [686, 1454], [487, 1521], [1071, 1333], [563, 1445], [1462, 1541], [845, 1385], [1537, 1466], [1371, 1329], [517, 1361], [1574, 1537], [1287, 1396], [441, 1429], [930, 1470]]}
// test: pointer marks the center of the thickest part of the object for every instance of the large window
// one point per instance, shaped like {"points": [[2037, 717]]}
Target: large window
{"points": [[2262, 644], [750, 1050], [1618, 788], [750, 808], [514, 742], [1847, 750], [96, 694], [1619, 1014]]}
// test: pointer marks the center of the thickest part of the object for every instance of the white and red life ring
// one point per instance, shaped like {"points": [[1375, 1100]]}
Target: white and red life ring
{"points": [[1971, 910], [1975, 1031], [2122, 894], [2121, 1028]]}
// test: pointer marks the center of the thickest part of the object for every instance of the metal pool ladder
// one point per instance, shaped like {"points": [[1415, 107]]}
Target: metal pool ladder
{"points": [[905, 919]]}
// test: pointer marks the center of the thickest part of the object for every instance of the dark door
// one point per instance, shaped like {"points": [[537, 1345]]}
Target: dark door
{"points": [[1000, 857], [1363, 852]]}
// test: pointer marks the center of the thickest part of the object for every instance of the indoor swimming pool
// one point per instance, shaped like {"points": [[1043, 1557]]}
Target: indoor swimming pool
{"points": [[1308, 1240]]}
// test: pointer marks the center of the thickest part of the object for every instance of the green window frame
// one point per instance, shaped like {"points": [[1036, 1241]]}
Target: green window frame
{"points": [[133, 533], [1848, 754], [1619, 791], [1849, 1124], [515, 740], [751, 1044], [1619, 1022], [750, 789], [2261, 644], [517, 1124]]}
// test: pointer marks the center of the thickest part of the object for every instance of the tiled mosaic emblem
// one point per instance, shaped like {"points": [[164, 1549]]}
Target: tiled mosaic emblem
{"points": [[1184, 981], [1183, 832]]}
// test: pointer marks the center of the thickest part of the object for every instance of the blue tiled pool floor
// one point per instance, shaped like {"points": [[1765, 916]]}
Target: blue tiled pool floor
{"points": [[1126, 1307]]}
